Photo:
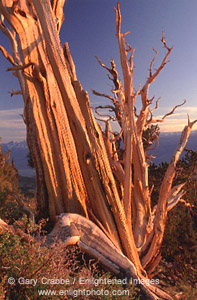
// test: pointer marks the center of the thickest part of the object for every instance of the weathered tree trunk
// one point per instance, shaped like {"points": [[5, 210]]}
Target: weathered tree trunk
{"points": [[77, 169]]}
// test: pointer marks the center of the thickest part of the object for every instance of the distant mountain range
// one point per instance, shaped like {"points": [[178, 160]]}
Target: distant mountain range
{"points": [[19, 151], [163, 152], [167, 145]]}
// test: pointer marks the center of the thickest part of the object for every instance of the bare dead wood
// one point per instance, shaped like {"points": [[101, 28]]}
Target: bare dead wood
{"points": [[71, 65], [166, 193], [13, 92], [26, 209], [176, 194], [113, 72], [128, 108], [136, 156], [152, 120], [93, 241], [7, 55], [145, 89], [57, 6], [77, 165], [108, 181]]}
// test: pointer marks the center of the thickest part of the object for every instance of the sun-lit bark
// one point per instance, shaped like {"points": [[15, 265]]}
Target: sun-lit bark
{"points": [[148, 224], [78, 169]]}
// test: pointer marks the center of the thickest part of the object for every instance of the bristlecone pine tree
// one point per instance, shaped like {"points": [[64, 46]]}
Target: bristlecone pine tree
{"points": [[78, 169]]}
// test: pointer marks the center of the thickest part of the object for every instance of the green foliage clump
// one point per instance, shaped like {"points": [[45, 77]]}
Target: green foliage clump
{"points": [[8, 173], [150, 136], [8, 185]]}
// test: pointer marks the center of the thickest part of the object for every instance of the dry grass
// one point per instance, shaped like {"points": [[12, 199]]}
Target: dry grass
{"points": [[29, 263]]}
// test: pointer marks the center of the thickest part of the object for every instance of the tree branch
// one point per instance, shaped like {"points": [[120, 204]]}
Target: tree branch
{"points": [[13, 92], [113, 72], [152, 78], [172, 111], [142, 119], [152, 61], [152, 120], [26, 209], [69, 60], [94, 242], [104, 95], [57, 7], [166, 192], [7, 55]]}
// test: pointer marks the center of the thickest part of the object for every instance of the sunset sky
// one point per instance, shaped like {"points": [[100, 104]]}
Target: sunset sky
{"points": [[89, 28]]}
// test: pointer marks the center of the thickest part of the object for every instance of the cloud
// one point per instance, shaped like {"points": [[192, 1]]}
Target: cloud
{"points": [[12, 126], [178, 120]]}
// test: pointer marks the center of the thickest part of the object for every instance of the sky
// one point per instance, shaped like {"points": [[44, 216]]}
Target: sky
{"points": [[89, 28]]}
